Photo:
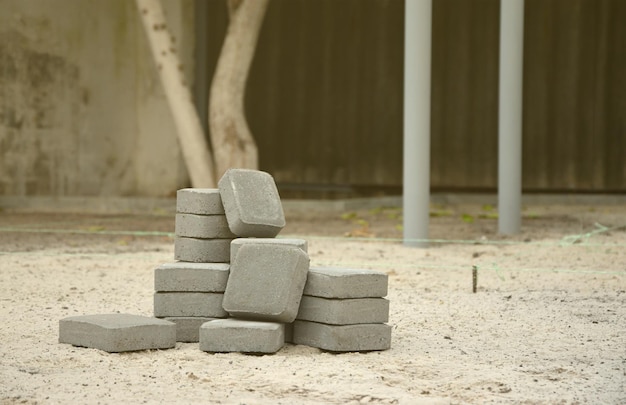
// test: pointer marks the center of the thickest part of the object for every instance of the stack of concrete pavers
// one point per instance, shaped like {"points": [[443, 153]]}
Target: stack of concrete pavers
{"points": [[189, 292], [267, 275], [202, 232], [344, 310], [229, 264]]}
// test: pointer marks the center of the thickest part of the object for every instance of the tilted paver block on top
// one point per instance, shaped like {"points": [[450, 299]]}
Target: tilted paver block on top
{"points": [[202, 226], [188, 327], [191, 277], [237, 335], [343, 311], [332, 282], [200, 201], [202, 250], [251, 203], [117, 332], [237, 243], [266, 282], [189, 304], [343, 338]]}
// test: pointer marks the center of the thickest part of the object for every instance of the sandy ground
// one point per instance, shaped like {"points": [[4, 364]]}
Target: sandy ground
{"points": [[546, 325]]}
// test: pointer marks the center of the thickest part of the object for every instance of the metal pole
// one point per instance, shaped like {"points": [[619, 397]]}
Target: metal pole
{"points": [[510, 116], [416, 151]]}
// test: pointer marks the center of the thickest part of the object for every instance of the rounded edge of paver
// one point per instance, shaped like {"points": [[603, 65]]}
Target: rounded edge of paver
{"points": [[191, 277], [202, 226], [238, 242], [244, 217], [203, 304], [345, 311], [336, 282], [239, 335], [343, 338], [202, 250], [201, 201]]}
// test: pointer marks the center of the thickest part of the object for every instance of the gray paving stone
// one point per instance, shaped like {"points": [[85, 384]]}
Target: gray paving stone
{"points": [[343, 311], [266, 282], [332, 282], [202, 250], [202, 226], [201, 201], [251, 203], [191, 277], [236, 335], [342, 338], [188, 327], [117, 332], [208, 305], [236, 243]]}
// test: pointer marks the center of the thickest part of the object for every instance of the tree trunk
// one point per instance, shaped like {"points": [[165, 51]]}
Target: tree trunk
{"points": [[231, 139], [191, 136]]}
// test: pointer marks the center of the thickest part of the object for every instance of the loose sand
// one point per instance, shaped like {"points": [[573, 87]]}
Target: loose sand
{"points": [[546, 325]]}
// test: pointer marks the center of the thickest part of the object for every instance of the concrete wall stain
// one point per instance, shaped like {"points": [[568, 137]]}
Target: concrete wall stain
{"points": [[82, 111], [37, 91]]}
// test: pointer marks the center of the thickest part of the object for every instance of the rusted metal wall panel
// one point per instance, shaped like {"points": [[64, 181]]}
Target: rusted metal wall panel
{"points": [[575, 95], [325, 94], [465, 94]]}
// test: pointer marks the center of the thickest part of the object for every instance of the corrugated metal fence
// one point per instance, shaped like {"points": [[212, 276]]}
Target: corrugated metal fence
{"points": [[325, 94]]}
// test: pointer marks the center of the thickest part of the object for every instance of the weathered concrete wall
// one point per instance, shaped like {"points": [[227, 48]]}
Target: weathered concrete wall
{"points": [[82, 111]]}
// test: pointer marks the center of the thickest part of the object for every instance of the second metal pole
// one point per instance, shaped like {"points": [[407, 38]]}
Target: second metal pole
{"points": [[510, 116]]}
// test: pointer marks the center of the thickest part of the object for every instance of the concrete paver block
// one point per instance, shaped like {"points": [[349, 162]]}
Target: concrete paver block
{"points": [[236, 335], [201, 201], [202, 226], [251, 203], [208, 305], [330, 282], [266, 282], [191, 277], [188, 327], [117, 332], [202, 250], [343, 338], [343, 311], [236, 243]]}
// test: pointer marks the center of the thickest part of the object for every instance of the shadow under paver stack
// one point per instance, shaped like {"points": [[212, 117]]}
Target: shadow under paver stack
{"points": [[235, 287]]}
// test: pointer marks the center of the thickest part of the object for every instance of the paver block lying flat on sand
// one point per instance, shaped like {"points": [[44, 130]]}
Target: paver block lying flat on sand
{"points": [[343, 311], [202, 226], [343, 338], [331, 282], [202, 250], [236, 335], [188, 327], [201, 201], [236, 243], [191, 277], [117, 332], [251, 203], [266, 282], [188, 304]]}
